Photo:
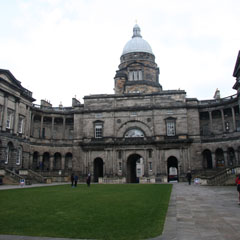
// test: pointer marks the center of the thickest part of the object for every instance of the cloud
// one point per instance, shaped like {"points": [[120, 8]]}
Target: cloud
{"points": [[59, 49]]}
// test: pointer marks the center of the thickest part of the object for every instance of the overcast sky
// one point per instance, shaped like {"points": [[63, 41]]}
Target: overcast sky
{"points": [[60, 49]]}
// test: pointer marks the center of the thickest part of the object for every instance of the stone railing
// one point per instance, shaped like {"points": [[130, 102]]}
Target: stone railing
{"points": [[220, 100], [105, 180], [36, 176], [221, 177], [14, 175]]}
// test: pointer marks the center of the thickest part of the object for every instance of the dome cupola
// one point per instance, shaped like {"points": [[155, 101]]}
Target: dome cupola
{"points": [[138, 72], [137, 43]]}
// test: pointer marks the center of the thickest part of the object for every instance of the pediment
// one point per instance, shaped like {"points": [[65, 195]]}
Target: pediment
{"points": [[7, 76], [236, 71]]}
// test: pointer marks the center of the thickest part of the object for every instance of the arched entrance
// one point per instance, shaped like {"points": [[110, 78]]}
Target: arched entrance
{"points": [[207, 159], [172, 167], [231, 157], [35, 162], [134, 168], [220, 162], [45, 165], [98, 169]]}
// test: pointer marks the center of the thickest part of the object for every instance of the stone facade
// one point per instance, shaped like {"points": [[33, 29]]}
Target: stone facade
{"points": [[141, 133]]}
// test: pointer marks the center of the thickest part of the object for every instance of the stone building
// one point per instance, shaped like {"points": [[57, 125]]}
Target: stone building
{"points": [[141, 133]]}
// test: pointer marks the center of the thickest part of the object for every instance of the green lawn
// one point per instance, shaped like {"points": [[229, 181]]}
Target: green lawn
{"points": [[128, 211]]}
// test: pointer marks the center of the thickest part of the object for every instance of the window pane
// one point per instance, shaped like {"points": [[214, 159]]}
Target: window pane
{"points": [[171, 128]]}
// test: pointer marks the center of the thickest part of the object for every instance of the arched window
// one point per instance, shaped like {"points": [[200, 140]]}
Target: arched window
{"points": [[9, 151], [19, 156], [133, 133]]}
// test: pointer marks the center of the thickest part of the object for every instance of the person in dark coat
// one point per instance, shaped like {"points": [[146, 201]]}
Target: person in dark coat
{"points": [[75, 180], [72, 179], [189, 177], [238, 187], [89, 179]]}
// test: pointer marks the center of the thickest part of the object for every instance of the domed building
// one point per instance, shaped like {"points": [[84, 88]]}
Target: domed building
{"points": [[140, 133]]}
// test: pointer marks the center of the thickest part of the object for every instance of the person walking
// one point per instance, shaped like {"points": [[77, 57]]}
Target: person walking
{"points": [[89, 179], [238, 187], [189, 177], [75, 180], [72, 179]]}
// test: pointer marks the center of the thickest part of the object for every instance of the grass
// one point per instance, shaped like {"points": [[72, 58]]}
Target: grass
{"points": [[129, 211]]}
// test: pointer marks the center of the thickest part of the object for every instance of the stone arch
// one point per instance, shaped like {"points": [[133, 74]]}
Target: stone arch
{"points": [[19, 155], [134, 132], [134, 124], [220, 161], [35, 161], [135, 168], [172, 168], [97, 168], [68, 161], [9, 153], [45, 164], [231, 159], [207, 159], [57, 161]]}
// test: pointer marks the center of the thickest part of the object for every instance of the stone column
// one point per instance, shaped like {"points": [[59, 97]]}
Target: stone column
{"points": [[62, 162], [40, 163], [214, 164], [41, 127], [52, 128], [5, 108], [234, 119], [225, 154], [15, 126], [32, 125], [210, 119], [223, 121], [27, 123], [51, 159], [145, 164], [64, 126]]}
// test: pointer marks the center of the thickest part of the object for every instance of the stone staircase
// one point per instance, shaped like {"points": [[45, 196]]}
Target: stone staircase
{"points": [[219, 177], [10, 177]]}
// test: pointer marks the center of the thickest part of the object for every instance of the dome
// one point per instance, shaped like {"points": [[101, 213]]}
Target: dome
{"points": [[137, 44]]}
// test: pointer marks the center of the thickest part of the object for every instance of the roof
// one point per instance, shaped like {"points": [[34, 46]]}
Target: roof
{"points": [[137, 43]]}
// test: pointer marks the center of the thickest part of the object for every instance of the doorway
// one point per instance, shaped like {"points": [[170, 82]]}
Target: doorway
{"points": [[98, 169], [135, 168], [172, 168]]}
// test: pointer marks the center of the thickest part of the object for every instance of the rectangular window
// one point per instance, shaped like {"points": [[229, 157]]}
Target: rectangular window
{"points": [[119, 154], [120, 166], [98, 130], [19, 156], [7, 155], [9, 119], [43, 133], [130, 76], [150, 153], [135, 75], [171, 128], [150, 166], [20, 124]]}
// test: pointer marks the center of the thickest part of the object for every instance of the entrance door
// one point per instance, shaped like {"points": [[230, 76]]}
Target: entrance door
{"points": [[98, 169], [207, 159], [172, 165], [134, 168]]}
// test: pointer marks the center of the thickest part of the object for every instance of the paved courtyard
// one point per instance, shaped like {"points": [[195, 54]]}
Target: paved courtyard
{"points": [[202, 212], [194, 213]]}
